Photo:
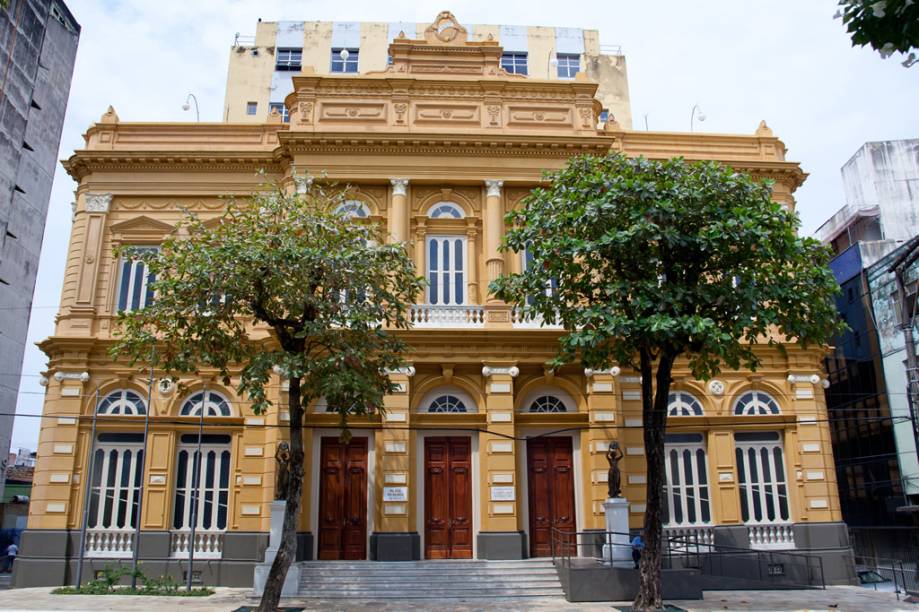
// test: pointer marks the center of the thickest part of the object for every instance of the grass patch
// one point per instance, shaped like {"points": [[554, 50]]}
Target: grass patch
{"points": [[107, 583]]}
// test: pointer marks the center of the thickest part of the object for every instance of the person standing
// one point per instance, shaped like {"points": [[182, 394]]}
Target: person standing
{"points": [[11, 551], [638, 545]]}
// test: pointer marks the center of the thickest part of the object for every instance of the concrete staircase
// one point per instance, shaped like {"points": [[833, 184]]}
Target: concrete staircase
{"points": [[453, 579]]}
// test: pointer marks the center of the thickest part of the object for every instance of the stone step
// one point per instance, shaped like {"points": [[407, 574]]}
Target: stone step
{"points": [[434, 594], [360, 571]]}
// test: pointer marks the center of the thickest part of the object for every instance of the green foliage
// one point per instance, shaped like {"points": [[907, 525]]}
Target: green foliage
{"points": [[326, 287], [887, 25], [107, 584], [667, 256]]}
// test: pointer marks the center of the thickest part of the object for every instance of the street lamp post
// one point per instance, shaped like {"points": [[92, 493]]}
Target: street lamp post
{"points": [[693, 116], [191, 98]]}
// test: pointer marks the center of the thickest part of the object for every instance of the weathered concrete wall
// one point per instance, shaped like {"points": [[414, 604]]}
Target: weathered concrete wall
{"points": [[38, 44]]}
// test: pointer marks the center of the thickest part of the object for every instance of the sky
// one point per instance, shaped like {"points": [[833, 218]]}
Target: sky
{"points": [[787, 62]]}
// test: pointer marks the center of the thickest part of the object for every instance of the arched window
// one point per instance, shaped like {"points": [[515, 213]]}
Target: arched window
{"points": [[122, 402], [445, 210], [353, 208], [214, 403], [547, 403], [447, 403], [680, 403], [756, 402]]}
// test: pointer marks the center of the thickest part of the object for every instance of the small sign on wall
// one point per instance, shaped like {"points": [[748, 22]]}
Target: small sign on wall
{"points": [[502, 494], [395, 494]]}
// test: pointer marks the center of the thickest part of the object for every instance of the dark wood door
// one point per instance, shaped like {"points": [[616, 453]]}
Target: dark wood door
{"points": [[550, 472], [343, 499], [447, 498]]}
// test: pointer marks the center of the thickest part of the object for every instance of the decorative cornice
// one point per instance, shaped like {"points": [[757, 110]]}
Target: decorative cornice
{"points": [[493, 187], [399, 186], [98, 202]]}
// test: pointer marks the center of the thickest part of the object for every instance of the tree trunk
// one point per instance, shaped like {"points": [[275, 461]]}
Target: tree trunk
{"points": [[654, 413], [288, 549]]}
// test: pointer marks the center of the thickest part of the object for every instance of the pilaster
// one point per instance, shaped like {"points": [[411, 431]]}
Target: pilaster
{"points": [[632, 443], [494, 231], [399, 210], [602, 410], [497, 452], [395, 490], [810, 443], [91, 216]]}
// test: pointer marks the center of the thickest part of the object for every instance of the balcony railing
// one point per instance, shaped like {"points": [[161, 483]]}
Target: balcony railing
{"points": [[701, 535], [771, 536], [208, 544], [524, 318], [443, 316], [109, 543]]}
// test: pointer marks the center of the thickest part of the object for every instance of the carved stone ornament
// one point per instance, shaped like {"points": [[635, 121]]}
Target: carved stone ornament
{"points": [[803, 378], [165, 386], [716, 387], [494, 188], [399, 186], [512, 371], [446, 30], [98, 202], [81, 376], [406, 371], [303, 183], [613, 371]]}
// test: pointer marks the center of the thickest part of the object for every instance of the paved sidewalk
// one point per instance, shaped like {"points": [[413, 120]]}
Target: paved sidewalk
{"points": [[849, 599]]}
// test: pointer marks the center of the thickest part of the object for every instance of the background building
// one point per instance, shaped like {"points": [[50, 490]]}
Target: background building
{"points": [[483, 450], [876, 461], [39, 45], [261, 65]]}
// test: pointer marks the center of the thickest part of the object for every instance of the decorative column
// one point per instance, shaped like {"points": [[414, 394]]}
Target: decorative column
{"points": [[500, 535], [395, 537], [494, 230], [601, 408], [729, 529], [472, 287], [399, 210], [420, 232]]}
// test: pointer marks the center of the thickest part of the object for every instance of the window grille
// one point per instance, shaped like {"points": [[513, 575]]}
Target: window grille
{"points": [[756, 402], [124, 402], [447, 403], [547, 403], [344, 65], [515, 63], [353, 208], [761, 476], [687, 490], [135, 287], [446, 270], [681, 403], [445, 210], [569, 64], [216, 405], [289, 59]]}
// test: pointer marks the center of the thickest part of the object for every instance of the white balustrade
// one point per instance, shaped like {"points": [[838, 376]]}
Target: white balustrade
{"points": [[443, 316], [208, 544], [109, 543], [704, 535], [524, 318], [771, 536]]}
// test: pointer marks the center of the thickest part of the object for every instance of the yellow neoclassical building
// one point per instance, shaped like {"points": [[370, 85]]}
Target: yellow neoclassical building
{"points": [[482, 450]]}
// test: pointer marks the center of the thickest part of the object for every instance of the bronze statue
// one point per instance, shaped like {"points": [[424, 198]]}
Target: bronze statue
{"points": [[614, 478], [282, 470]]}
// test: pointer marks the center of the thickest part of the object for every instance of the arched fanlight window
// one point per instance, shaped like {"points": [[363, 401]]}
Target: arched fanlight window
{"points": [[547, 403], [756, 402], [214, 404], [122, 402], [680, 403], [445, 210], [447, 403], [353, 209]]}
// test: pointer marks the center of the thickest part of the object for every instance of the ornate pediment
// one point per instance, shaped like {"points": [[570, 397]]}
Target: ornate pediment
{"points": [[446, 30], [141, 228]]}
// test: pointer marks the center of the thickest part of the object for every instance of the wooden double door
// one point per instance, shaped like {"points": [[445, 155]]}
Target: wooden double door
{"points": [[343, 499], [550, 473], [448, 498]]}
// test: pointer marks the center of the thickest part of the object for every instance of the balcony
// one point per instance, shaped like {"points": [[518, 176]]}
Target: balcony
{"points": [[439, 316], [700, 538], [208, 544], [109, 543], [771, 536], [524, 318]]}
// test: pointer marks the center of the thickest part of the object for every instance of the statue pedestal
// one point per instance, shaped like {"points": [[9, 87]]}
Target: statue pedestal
{"points": [[616, 545], [292, 581]]}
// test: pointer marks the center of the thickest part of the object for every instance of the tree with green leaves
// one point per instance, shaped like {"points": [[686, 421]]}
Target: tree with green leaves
{"points": [[889, 26], [283, 283], [645, 262]]}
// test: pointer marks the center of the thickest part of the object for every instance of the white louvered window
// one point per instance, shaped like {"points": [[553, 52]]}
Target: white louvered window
{"points": [[756, 402], [446, 270], [761, 476], [687, 490], [209, 475], [680, 403], [124, 402], [116, 475], [135, 284]]}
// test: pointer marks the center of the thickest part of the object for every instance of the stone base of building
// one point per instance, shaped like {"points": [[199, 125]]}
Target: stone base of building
{"points": [[49, 557], [502, 545], [829, 541], [402, 546]]}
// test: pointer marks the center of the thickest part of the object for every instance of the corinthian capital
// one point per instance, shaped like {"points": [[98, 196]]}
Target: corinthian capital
{"points": [[98, 202], [399, 186], [494, 188]]}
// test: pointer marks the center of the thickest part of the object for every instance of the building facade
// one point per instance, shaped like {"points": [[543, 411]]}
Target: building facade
{"points": [[482, 450], [39, 45]]}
